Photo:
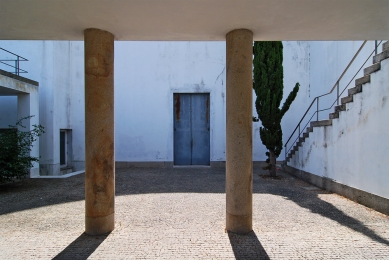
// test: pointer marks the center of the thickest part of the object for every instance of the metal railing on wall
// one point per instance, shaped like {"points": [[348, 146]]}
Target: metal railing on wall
{"points": [[13, 62], [315, 101]]}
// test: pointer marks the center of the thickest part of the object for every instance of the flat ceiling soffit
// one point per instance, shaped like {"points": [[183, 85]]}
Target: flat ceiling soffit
{"points": [[205, 20], [4, 91]]}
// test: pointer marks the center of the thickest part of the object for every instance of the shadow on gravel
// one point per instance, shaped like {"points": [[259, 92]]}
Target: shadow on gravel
{"points": [[247, 246], [287, 188], [34, 193], [81, 248]]}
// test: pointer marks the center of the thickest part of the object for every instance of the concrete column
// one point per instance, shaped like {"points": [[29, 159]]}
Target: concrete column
{"points": [[99, 132], [28, 104], [239, 165]]}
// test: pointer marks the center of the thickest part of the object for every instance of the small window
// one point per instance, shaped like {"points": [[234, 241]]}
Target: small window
{"points": [[62, 148], [65, 149]]}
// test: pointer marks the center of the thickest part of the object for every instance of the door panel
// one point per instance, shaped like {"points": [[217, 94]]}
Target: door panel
{"points": [[182, 129], [200, 129], [191, 129]]}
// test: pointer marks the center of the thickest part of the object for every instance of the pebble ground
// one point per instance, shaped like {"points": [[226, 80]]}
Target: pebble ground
{"points": [[179, 213]]}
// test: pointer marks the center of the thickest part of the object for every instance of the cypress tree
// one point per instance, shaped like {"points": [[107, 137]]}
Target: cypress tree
{"points": [[269, 87]]}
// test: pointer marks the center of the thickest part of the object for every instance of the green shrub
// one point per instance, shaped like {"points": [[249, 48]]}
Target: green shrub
{"points": [[15, 147]]}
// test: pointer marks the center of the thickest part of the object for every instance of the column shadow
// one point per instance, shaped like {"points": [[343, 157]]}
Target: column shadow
{"points": [[82, 247], [247, 246]]}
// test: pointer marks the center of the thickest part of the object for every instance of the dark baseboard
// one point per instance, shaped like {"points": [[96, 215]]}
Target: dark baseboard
{"points": [[162, 164], [151, 164], [367, 199]]}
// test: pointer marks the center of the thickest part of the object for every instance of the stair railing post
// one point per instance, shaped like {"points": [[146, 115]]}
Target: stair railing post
{"points": [[17, 66], [375, 47], [317, 109]]}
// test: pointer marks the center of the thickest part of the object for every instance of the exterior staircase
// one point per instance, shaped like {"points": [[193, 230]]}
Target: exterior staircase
{"points": [[342, 107]]}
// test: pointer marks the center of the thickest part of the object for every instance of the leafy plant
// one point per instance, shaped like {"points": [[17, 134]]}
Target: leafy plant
{"points": [[269, 87], [15, 147]]}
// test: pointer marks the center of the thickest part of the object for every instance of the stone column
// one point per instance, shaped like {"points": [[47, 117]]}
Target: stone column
{"points": [[99, 132], [239, 165]]}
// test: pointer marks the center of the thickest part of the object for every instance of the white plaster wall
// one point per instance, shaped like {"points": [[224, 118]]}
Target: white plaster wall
{"points": [[296, 65], [68, 84], [58, 67], [148, 73], [327, 61], [354, 150], [27, 104], [77, 82], [40, 69], [146, 76]]}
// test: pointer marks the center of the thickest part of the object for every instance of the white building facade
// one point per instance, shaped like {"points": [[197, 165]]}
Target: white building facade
{"points": [[147, 76]]}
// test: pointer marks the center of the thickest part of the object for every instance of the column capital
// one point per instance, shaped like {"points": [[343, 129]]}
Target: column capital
{"points": [[97, 31], [240, 31]]}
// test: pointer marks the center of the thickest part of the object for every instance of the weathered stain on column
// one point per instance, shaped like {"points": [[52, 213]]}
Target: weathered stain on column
{"points": [[239, 58], [99, 132]]}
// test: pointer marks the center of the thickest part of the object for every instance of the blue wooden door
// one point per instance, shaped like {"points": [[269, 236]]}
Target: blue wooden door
{"points": [[191, 129]]}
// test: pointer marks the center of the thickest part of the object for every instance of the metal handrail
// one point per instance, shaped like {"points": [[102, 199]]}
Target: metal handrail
{"points": [[316, 99], [19, 58]]}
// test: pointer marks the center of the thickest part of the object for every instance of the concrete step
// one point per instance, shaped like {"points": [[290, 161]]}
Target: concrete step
{"points": [[362, 80], [334, 115], [66, 170], [385, 46], [372, 68], [300, 141], [355, 90], [309, 129], [321, 123], [346, 100], [306, 135], [382, 56], [340, 108]]}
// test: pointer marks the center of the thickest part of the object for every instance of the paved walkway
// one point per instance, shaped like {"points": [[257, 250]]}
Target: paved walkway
{"points": [[179, 213]]}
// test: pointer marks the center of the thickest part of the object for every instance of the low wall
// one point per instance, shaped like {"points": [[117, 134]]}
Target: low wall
{"points": [[362, 197]]}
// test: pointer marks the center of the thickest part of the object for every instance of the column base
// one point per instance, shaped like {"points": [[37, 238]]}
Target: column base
{"points": [[100, 225], [239, 224]]}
